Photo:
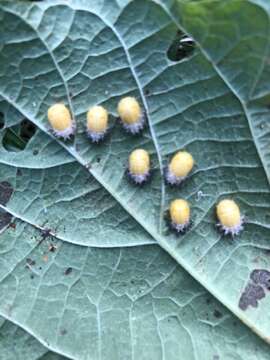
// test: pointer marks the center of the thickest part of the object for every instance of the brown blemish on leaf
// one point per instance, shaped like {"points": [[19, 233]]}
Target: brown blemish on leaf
{"points": [[6, 191], [256, 289]]}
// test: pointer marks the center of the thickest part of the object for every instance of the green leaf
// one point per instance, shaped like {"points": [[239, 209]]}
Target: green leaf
{"points": [[84, 55], [238, 50], [120, 303], [44, 183], [16, 344]]}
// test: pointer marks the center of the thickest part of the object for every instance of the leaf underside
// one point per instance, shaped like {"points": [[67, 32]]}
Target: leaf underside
{"points": [[88, 266]]}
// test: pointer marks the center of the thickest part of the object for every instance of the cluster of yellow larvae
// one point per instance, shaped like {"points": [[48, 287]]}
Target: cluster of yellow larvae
{"points": [[180, 166]]}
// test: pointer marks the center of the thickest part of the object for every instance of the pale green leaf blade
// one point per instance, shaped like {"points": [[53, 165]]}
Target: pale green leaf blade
{"points": [[122, 303], [43, 178], [98, 59]]}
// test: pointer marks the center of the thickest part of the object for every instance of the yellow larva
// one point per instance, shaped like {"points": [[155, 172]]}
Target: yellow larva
{"points": [[61, 121], [131, 114], [179, 214], [229, 216], [179, 167], [97, 123], [139, 166]]}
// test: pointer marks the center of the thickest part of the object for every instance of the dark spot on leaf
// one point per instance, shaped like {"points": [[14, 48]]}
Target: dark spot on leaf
{"points": [[52, 248], [6, 191], [30, 262], [98, 160], [12, 225], [208, 301], [45, 233], [5, 218], [32, 276], [35, 152], [181, 47], [147, 92], [217, 314], [19, 172], [40, 268], [63, 332], [255, 289], [261, 277], [68, 271], [251, 295]]}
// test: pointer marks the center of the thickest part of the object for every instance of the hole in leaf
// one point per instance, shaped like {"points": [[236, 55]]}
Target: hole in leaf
{"points": [[16, 137], [2, 120], [27, 130], [181, 47]]}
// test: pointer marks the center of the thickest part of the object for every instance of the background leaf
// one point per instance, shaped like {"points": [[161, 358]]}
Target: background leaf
{"points": [[238, 49], [16, 344]]}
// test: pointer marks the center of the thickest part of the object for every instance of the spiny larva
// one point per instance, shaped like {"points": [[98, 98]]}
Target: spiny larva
{"points": [[61, 121], [229, 216], [131, 114], [139, 166], [179, 215], [97, 123], [179, 167]]}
